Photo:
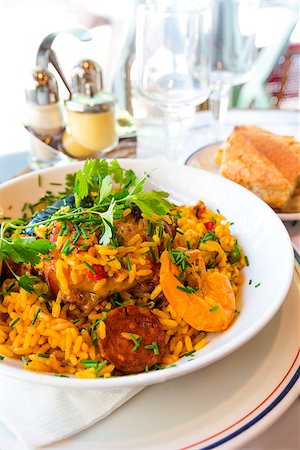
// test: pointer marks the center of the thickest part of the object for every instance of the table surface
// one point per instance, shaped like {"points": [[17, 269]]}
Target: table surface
{"points": [[282, 435]]}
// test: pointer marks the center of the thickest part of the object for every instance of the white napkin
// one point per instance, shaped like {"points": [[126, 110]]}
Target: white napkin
{"points": [[39, 415]]}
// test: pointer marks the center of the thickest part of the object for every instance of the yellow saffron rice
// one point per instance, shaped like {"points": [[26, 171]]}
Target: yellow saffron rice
{"points": [[56, 336]]}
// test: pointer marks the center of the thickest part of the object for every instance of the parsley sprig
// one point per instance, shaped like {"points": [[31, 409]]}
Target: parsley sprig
{"points": [[96, 204]]}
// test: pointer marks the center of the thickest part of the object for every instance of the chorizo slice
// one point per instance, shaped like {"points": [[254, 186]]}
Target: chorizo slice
{"points": [[129, 331]]}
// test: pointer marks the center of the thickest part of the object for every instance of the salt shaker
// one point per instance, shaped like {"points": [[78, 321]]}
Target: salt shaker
{"points": [[44, 116]]}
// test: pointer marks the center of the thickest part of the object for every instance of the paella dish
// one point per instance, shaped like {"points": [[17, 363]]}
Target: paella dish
{"points": [[107, 278]]}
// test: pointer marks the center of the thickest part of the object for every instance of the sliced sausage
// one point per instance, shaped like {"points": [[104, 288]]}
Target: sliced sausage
{"points": [[120, 351]]}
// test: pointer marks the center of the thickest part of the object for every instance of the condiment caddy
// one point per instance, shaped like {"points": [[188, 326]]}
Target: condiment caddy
{"points": [[80, 126]]}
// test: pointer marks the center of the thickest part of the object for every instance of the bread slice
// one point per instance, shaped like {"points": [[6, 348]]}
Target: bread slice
{"points": [[263, 162]]}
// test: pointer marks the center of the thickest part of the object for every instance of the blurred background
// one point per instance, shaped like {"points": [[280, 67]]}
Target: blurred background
{"points": [[24, 23]]}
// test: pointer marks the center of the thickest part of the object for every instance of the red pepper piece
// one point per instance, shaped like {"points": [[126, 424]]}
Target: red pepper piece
{"points": [[100, 273], [210, 225], [199, 210]]}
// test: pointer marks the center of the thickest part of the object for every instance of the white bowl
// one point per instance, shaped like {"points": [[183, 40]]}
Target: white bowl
{"points": [[260, 232]]}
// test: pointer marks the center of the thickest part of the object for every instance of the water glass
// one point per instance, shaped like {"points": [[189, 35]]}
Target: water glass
{"points": [[173, 61], [233, 53]]}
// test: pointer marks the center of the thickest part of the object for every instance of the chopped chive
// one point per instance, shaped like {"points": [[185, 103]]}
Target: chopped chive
{"points": [[24, 360], [246, 260], [250, 281], [1, 358], [61, 232], [187, 289], [137, 342], [218, 211], [177, 278], [94, 230], [149, 228], [75, 321], [169, 242], [153, 347], [85, 235], [55, 184], [152, 253], [121, 262], [214, 308], [63, 225], [198, 241], [236, 249], [76, 239], [61, 375], [70, 249], [35, 316], [8, 289], [43, 355], [84, 247], [147, 368], [73, 235], [95, 338], [188, 353], [110, 260], [66, 232], [39, 181], [160, 231], [210, 235], [171, 257], [188, 244], [100, 367], [128, 263], [237, 311], [231, 223], [65, 246], [99, 320], [90, 267], [14, 322], [258, 284], [24, 207], [47, 259], [213, 220], [88, 363]]}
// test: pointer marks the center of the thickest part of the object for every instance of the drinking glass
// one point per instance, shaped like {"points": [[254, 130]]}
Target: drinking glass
{"points": [[172, 62], [233, 54]]}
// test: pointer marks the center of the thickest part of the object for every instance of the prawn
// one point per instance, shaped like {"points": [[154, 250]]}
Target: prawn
{"points": [[209, 304]]}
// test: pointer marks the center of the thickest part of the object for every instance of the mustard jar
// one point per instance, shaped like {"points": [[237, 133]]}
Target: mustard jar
{"points": [[90, 113]]}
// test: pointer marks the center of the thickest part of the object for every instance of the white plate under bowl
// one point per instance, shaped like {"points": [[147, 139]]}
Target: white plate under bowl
{"points": [[260, 232]]}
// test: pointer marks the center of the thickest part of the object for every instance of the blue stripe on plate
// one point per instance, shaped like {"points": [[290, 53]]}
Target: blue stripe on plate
{"points": [[259, 416], [297, 256]]}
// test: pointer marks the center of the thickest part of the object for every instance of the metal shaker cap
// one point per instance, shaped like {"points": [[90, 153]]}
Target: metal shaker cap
{"points": [[87, 78], [42, 88]]}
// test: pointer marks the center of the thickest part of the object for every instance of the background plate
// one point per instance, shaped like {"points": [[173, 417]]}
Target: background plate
{"points": [[280, 122]]}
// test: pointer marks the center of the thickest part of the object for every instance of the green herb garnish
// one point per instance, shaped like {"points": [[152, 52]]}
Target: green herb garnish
{"points": [[214, 308], [153, 347], [35, 316], [137, 342]]}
